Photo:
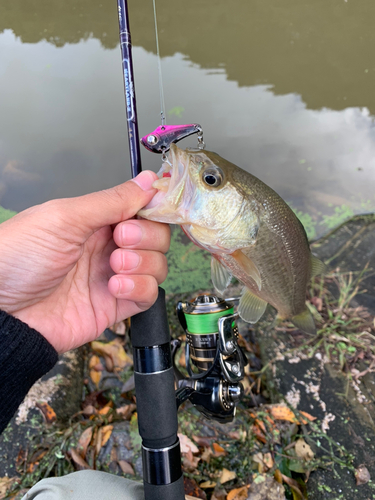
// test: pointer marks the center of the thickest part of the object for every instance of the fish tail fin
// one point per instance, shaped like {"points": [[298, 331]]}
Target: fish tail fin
{"points": [[305, 322]]}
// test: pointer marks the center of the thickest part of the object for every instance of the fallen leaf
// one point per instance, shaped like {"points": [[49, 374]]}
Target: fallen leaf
{"points": [[268, 460], [208, 484], [191, 488], [362, 475], [282, 412], [48, 412], [78, 460], [303, 450], [207, 454], [114, 354], [227, 475], [187, 444], [98, 442], [126, 467], [190, 461], [292, 483], [308, 416], [203, 441], [126, 411], [258, 434], [5, 484], [95, 377], [218, 450], [106, 434], [84, 441], [238, 494], [105, 410]]}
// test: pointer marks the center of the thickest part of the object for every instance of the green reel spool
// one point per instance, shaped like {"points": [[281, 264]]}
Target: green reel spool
{"points": [[202, 316]]}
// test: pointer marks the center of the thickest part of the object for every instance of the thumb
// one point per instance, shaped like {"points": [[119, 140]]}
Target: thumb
{"points": [[96, 210]]}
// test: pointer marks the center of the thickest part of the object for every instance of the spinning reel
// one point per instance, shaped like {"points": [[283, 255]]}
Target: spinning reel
{"points": [[212, 349]]}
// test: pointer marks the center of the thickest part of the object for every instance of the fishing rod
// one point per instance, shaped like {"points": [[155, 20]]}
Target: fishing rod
{"points": [[215, 362], [153, 369]]}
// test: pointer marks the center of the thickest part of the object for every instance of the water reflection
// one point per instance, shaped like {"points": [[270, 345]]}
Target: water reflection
{"points": [[274, 107]]}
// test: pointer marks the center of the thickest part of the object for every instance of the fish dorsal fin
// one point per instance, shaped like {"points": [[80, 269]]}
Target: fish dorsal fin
{"points": [[317, 266], [248, 266], [220, 276], [305, 322], [251, 307]]}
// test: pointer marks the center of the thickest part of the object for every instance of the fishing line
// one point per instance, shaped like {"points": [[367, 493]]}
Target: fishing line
{"points": [[161, 87]]}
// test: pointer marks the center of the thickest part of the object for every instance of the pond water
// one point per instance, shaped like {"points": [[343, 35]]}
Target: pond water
{"points": [[285, 90]]}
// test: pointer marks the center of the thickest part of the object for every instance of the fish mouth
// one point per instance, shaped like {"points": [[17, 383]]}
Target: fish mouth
{"points": [[165, 206]]}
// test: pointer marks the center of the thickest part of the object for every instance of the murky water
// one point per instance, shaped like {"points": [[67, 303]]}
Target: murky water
{"points": [[285, 90]]}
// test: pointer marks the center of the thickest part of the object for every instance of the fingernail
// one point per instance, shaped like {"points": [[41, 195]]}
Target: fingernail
{"points": [[130, 260], [131, 234], [126, 285], [145, 180]]}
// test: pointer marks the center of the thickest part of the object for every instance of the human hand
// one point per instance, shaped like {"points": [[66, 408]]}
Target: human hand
{"points": [[67, 273]]}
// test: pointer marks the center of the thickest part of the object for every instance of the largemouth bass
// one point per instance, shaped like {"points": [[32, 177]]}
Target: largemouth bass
{"points": [[249, 230]]}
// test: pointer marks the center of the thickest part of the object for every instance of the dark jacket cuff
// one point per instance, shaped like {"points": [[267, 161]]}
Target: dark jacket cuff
{"points": [[25, 356]]}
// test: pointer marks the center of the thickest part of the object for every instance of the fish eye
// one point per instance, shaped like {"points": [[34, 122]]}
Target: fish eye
{"points": [[212, 177]]}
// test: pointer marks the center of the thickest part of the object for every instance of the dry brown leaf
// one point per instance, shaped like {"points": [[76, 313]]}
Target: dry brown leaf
{"points": [[105, 410], [282, 412], [78, 460], [187, 444], [106, 434], [84, 441], [94, 361], [204, 441], [292, 483], [126, 467], [207, 454], [238, 494], [227, 475], [362, 475], [114, 354], [126, 411], [98, 443], [191, 488], [259, 459], [95, 377], [303, 450], [308, 416], [5, 484], [268, 460], [218, 450], [48, 412], [207, 484], [258, 434]]}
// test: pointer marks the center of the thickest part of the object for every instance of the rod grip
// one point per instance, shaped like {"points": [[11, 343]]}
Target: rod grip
{"points": [[156, 402]]}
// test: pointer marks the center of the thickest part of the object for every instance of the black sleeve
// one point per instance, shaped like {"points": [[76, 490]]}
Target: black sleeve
{"points": [[25, 356]]}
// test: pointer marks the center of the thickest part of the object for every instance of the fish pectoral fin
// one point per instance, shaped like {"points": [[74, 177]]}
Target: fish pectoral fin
{"points": [[220, 276], [317, 266], [251, 307], [305, 322], [248, 266]]}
